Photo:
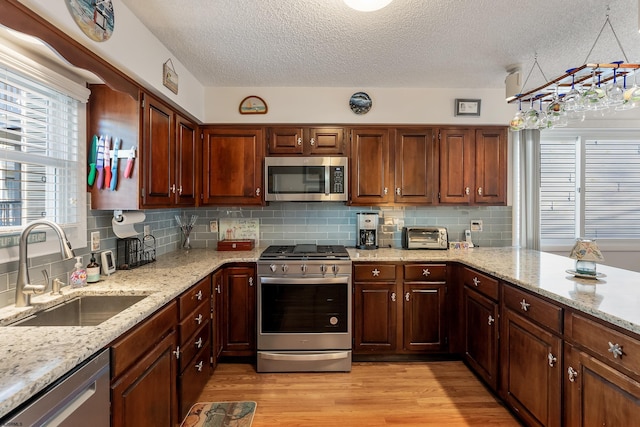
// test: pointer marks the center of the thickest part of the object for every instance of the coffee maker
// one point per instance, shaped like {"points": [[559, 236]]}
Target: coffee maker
{"points": [[367, 230]]}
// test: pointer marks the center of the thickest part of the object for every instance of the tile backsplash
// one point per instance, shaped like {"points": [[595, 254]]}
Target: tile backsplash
{"points": [[279, 223]]}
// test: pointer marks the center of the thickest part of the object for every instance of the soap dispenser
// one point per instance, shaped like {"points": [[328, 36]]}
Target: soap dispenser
{"points": [[79, 274], [93, 270]]}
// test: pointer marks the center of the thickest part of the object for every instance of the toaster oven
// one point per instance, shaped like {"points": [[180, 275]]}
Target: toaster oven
{"points": [[425, 238]]}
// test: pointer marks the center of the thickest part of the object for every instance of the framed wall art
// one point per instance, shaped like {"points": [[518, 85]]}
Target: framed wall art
{"points": [[467, 107], [253, 105], [169, 76], [95, 18]]}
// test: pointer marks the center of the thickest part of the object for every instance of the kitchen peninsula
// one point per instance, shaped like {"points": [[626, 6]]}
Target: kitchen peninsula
{"points": [[34, 357]]}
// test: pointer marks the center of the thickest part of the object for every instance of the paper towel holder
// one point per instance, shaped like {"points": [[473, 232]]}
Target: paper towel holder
{"points": [[117, 215]]}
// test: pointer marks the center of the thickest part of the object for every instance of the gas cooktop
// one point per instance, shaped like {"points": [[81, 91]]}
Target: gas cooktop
{"points": [[305, 252]]}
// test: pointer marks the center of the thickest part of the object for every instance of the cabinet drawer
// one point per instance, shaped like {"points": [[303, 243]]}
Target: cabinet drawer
{"points": [[531, 307], [425, 272], [193, 344], [194, 320], [486, 285], [374, 272], [198, 293], [193, 379], [137, 343], [602, 340]]}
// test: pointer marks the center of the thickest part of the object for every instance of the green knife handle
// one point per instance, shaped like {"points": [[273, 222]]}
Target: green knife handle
{"points": [[92, 174]]}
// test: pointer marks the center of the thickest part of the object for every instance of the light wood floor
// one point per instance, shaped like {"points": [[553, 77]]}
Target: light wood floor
{"points": [[373, 394]]}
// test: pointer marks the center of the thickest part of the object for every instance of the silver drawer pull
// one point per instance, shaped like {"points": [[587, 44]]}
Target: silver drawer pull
{"points": [[199, 295], [572, 374], [177, 352], [552, 359], [199, 343], [525, 305], [199, 366], [375, 272], [476, 281], [199, 318], [426, 272], [393, 296], [491, 320], [615, 349]]}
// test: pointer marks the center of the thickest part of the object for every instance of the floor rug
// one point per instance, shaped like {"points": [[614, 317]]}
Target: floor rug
{"points": [[220, 414]]}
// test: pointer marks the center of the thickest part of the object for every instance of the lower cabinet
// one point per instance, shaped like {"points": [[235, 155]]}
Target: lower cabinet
{"points": [[531, 359], [238, 315], [399, 308], [144, 372], [194, 336]]}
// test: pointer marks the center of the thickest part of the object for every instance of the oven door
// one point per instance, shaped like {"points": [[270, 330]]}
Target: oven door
{"points": [[306, 313]]}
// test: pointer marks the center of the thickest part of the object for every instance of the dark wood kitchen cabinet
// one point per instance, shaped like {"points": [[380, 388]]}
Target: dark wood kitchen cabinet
{"points": [[239, 311], [194, 338], [531, 357], [165, 167], [393, 166], [473, 166], [144, 372], [480, 310], [232, 166], [305, 140]]}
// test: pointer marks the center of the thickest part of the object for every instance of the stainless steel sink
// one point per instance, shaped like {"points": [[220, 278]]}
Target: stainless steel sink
{"points": [[89, 310]]}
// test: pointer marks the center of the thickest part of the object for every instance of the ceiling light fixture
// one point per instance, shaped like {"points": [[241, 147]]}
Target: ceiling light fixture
{"points": [[367, 5]]}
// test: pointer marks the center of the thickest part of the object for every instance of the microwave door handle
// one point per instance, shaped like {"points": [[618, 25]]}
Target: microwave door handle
{"points": [[303, 280], [327, 182]]}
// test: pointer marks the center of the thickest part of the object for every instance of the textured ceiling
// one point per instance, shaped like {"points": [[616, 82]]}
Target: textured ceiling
{"points": [[410, 43]]}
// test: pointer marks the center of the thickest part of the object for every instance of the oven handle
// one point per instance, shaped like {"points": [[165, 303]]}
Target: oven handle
{"points": [[304, 280], [305, 357]]}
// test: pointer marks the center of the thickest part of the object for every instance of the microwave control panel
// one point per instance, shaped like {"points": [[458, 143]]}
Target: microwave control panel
{"points": [[337, 179]]}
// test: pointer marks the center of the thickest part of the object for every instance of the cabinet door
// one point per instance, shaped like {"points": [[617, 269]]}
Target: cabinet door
{"points": [[456, 157], [490, 166], [239, 312], [481, 335], [186, 162], [232, 166], [370, 167], [415, 166], [531, 376], [158, 148], [375, 314], [597, 394], [145, 395], [326, 141], [285, 140], [424, 317]]}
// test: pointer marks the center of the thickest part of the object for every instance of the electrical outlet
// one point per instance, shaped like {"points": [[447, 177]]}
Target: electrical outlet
{"points": [[95, 241], [213, 226], [147, 230], [476, 225]]}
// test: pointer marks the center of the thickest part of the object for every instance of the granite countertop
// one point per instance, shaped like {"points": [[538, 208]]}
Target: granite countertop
{"points": [[31, 358]]}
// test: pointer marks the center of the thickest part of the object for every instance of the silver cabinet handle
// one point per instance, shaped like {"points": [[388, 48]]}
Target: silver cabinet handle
{"points": [[173, 189], [479, 191], [476, 281], [312, 141], [393, 296], [525, 305], [250, 281], [398, 191], [426, 272], [299, 141], [177, 352], [199, 366], [386, 190], [406, 296], [491, 320], [258, 191], [199, 295], [467, 191], [572, 374], [199, 319], [615, 349], [218, 289], [552, 359], [199, 343]]}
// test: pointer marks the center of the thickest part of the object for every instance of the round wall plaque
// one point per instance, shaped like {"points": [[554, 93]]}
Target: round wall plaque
{"points": [[94, 17], [360, 103]]}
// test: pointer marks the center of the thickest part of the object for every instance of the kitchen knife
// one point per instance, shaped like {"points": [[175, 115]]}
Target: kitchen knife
{"points": [[114, 164], [107, 162], [100, 163], [92, 160], [129, 168]]}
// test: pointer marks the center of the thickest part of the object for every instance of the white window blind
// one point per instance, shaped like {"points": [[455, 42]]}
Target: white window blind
{"points": [[39, 146]]}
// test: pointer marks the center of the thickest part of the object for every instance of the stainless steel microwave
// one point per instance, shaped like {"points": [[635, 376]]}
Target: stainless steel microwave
{"points": [[302, 179]]}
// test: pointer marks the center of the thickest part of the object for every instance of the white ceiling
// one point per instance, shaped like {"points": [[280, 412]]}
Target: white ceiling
{"points": [[410, 43]]}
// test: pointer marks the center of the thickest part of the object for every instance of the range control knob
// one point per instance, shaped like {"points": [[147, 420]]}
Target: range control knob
{"points": [[335, 268], [323, 268], [303, 267], [285, 268], [273, 268]]}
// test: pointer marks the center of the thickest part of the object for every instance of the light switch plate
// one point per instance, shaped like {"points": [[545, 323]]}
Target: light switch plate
{"points": [[147, 230], [213, 226], [95, 241]]}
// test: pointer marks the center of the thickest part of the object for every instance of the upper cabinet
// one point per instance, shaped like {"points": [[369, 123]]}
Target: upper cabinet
{"points": [[325, 141], [232, 166], [473, 166], [164, 167], [397, 166]]}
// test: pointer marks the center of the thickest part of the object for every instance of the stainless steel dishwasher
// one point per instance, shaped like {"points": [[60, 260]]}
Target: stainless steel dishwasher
{"points": [[80, 398]]}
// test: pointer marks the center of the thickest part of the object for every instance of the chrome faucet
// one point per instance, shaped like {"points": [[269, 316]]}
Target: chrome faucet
{"points": [[24, 288]]}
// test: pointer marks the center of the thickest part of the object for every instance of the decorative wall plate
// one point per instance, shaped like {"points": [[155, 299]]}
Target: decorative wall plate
{"points": [[94, 17], [253, 105], [360, 103]]}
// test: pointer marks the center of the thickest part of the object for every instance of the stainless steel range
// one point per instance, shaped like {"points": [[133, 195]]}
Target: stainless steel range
{"points": [[304, 309]]}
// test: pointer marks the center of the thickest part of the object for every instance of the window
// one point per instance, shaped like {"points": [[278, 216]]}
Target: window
{"points": [[41, 155], [590, 187]]}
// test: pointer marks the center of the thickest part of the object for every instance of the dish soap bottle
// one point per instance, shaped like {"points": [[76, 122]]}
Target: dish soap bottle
{"points": [[78, 275], [93, 270]]}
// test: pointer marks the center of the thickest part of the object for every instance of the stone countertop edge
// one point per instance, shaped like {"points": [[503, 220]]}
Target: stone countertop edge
{"points": [[31, 358]]}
